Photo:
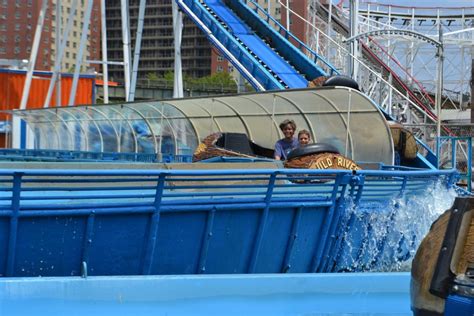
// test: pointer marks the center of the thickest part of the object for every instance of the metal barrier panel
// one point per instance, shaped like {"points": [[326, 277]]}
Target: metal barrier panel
{"points": [[456, 153], [132, 222]]}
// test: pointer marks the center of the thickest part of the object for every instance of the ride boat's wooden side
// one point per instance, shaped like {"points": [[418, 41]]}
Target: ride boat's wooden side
{"points": [[443, 268]]}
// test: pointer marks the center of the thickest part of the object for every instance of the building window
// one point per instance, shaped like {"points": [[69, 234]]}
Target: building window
{"points": [[230, 68], [67, 54], [74, 45], [219, 68], [3, 27], [17, 27], [17, 38], [3, 50], [220, 58], [17, 15], [46, 51], [29, 15], [17, 50]]}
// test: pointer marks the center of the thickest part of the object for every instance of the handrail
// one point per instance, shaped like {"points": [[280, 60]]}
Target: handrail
{"points": [[287, 33], [422, 88], [234, 60], [360, 62], [225, 172], [72, 155], [408, 90]]}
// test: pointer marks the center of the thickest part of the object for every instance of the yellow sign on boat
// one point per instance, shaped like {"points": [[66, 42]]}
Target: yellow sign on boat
{"points": [[333, 161]]}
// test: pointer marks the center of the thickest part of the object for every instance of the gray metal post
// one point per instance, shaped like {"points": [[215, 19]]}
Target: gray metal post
{"points": [[136, 52], [126, 46], [472, 91], [439, 82], [178, 32], [58, 47], [34, 54], [354, 11], [105, 66], [59, 54], [77, 70]]}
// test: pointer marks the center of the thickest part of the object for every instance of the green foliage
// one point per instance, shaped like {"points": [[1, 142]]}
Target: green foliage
{"points": [[218, 80], [169, 76], [152, 76]]}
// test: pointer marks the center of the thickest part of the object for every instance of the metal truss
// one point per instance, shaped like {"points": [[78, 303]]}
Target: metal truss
{"points": [[396, 66]]}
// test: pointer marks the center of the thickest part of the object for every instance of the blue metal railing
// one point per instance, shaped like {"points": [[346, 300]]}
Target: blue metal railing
{"points": [[463, 167], [125, 222], [71, 155], [300, 59], [225, 42]]}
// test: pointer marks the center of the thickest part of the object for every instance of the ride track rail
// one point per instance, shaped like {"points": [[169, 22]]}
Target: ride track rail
{"points": [[131, 222]]}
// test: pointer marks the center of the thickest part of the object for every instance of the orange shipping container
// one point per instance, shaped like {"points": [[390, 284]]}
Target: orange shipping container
{"points": [[13, 81]]}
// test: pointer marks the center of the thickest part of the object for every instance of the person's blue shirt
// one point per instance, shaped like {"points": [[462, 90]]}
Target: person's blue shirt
{"points": [[283, 147]]}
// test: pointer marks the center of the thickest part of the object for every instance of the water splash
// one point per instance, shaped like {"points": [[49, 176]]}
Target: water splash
{"points": [[384, 235]]}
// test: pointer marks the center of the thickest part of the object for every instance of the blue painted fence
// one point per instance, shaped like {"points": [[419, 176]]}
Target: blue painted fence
{"points": [[134, 222]]}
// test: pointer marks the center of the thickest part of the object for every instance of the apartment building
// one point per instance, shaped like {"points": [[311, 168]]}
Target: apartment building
{"points": [[18, 20], [157, 47], [92, 50]]}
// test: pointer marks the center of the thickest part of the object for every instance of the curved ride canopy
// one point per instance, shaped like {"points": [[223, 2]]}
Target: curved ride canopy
{"points": [[340, 116]]}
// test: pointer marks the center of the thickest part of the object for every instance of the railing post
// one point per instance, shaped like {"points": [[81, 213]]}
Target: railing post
{"points": [[153, 231], [262, 224], [15, 209]]}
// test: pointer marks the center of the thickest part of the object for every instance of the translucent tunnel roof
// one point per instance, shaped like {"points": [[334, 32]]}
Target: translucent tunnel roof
{"points": [[341, 116]]}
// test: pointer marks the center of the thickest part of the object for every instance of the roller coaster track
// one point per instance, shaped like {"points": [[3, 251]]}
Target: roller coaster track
{"points": [[370, 52]]}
